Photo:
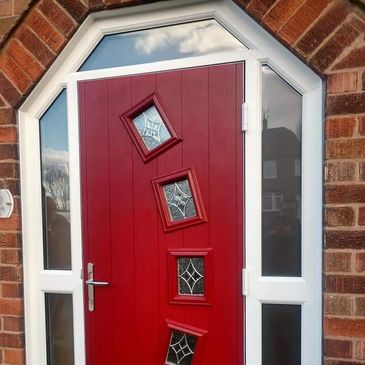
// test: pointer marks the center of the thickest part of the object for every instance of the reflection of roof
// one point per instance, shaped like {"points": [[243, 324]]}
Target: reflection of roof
{"points": [[280, 142]]}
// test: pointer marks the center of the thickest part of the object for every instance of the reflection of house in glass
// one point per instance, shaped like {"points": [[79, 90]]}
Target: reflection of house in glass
{"points": [[281, 187]]}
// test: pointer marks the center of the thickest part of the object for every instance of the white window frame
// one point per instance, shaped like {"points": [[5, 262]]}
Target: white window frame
{"points": [[263, 49]]}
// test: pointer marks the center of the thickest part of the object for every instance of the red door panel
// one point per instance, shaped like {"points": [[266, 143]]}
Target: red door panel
{"points": [[136, 317]]}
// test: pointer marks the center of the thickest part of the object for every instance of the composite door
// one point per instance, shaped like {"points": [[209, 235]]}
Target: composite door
{"points": [[162, 210]]}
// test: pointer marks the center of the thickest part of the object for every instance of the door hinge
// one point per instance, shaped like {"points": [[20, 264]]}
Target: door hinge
{"points": [[244, 282], [244, 117]]}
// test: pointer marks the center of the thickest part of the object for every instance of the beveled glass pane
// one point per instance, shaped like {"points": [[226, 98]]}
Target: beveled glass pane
{"points": [[281, 176], [191, 275], [179, 200], [181, 348], [151, 128], [159, 44], [59, 327], [55, 186], [281, 334]]}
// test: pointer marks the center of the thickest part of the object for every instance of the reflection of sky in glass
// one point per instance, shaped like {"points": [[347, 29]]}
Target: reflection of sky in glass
{"points": [[54, 124], [281, 104], [166, 43], [53, 130]]}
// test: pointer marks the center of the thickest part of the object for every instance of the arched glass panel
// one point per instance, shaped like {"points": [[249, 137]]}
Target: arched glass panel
{"points": [[161, 44]]}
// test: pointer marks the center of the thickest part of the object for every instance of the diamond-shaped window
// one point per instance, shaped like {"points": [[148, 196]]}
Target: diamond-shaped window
{"points": [[179, 199], [181, 348], [150, 128]]}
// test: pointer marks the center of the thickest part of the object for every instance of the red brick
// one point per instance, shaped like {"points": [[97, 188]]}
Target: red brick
{"points": [[16, 75], [360, 306], [10, 240], [340, 216], [361, 220], [362, 171], [9, 170], [14, 356], [25, 59], [8, 135], [13, 324], [95, 4], [9, 92], [12, 256], [359, 349], [346, 104], [47, 32], [9, 273], [342, 82], [20, 6], [362, 126], [345, 239], [75, 8], [322, 28], [8, 151], [355, 59], [338, 348], [11, 340], [344, 284], [350, 148], [57, 16], [280, 13], [258, 8], [334, 46], [13, 307], [339, 171], [6, 24], [337, 262], [337, 305], [35, 46], [360, 262], [344, 327], [340, 127], [6, 8], [339, 362], [7, 116], [345, 194], [11, 290], [10, 224]]}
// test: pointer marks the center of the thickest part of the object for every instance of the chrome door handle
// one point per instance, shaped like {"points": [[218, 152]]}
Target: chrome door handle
{"points": [[96, 283], [90, 286]]}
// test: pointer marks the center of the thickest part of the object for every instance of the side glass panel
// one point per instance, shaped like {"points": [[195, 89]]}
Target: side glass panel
{"points": [[281, 334], [159, 44], [55, 186], [281, 177], [59, 328]]}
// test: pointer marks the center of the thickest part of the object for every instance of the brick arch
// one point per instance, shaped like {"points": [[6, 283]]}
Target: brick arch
{"points": [[328, 35]]}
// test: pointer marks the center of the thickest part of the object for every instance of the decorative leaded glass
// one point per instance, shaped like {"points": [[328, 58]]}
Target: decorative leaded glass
{"points": [[181, 348], [191, 275], [179, 200], [151, 128]]}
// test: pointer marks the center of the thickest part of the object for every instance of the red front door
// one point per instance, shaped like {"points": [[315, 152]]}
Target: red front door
{"points": [[162, 199]]}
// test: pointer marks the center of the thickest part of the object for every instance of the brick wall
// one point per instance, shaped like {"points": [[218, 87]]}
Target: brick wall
{"points": [[327, 35], [10, 12]]}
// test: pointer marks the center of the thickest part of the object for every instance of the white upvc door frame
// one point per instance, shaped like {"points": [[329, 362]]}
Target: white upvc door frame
{"points": [[263, 49]]}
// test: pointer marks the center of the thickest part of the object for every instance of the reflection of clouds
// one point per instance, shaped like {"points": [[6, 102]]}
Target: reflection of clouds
{"points": [[281, 103], [51, 157], [194, 38]]}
